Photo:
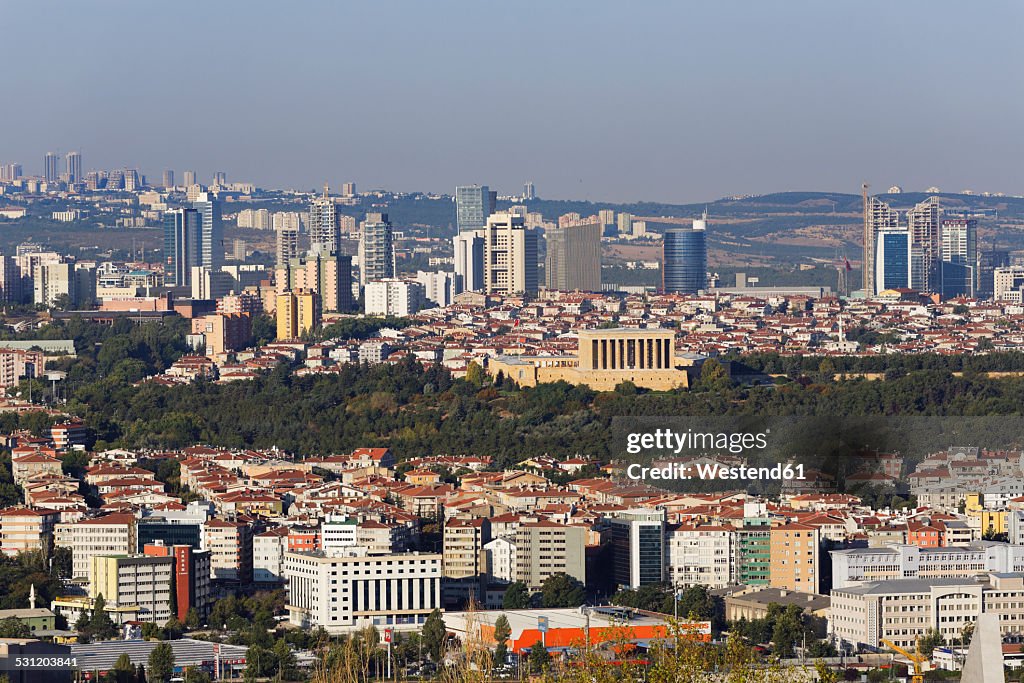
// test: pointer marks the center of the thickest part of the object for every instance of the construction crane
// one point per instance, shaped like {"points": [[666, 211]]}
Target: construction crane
{"points": [[917, 659]]}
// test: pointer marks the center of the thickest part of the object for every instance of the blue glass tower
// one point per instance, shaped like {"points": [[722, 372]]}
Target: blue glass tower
{"points": [[684, 267]]}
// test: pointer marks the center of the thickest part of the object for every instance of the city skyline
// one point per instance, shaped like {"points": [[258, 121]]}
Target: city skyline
{"points": [[701, 102]]}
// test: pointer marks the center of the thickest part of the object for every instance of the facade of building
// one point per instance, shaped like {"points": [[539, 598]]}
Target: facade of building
{"points": [[376, 249], [573, 260], [230, 546], [24, 530], [136, 581], [113, 534], [464, 540], [211, 237], [191, 581], [685, 259], [393, 298], [638, 544], [182, 243], [545, 548], [473, 204], [469, 260], [510, 256], [900, 561], [700, 555], [324, 235], [892, 260], [297, 313], [796, 557], [344, 594]]}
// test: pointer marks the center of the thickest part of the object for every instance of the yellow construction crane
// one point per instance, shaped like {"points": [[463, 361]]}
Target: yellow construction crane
{"points": [[917, 659]]}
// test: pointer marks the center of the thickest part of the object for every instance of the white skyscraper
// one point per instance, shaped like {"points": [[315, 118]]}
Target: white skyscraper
{"points": [[510, 256], [324, 234]]}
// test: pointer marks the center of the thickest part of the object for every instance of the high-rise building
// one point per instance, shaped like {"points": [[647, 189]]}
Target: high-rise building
{"points": [[376, 249], [684, 266], [329, 276], [220, 178], [439, 287], [10, 172], [54, 282], [324, 234], [139, 582], [348, 189], [923, 224], [191, 578], [188, 178], [573, 258], [529, 193], [638, 545], [469, 260], [287, 245], [182, 241], [132, 179], [878, 216], [959, 255], [211, 250], [51, 167], [297, 313], [510, 256], [795, 558], [73, 170], [168, 179], [625, 221], [473, 204], [544, 548], [892, 260]]}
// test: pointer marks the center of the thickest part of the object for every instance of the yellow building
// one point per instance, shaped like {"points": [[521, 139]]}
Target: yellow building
{"points": [[985, 521], [297, 313], [606, 358], [794, 557]]}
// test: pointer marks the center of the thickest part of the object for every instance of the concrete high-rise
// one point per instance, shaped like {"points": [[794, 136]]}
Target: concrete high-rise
{"points": [[923, 225], [287, 245], [529, 192], [324, 235], [168, 179], [684, 266], [211, 242], [182, 240], [469, 260], [329, 276], [376, 249], [188, 178], [73, 168], [473, 204], [51, 167], [297, 313], [510, 256], [959, 256], [878, 216], [573, 258]]}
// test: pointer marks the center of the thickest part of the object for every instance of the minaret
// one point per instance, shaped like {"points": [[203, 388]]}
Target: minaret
{"points": [[32, 597]]}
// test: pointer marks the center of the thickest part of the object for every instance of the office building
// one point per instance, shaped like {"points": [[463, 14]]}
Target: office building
{"points": [[108, 535], [324, 237], [54, 283], [700, 555], [393, 298], [254, 219], [191, 578], [529, 192], [132, 179], [211, 238], [188, 178], [376, 249], [573, 260], [510, 256], [469, 261], [439, 288], [51, 168], [892, 260], [684, 266], [625, 223], [348, 189], [168, 179], [959, 256], [11, 172], [182, 243], [160, 530], [923, 225], [901, 561], [638, 546], [344, 594], [297, 313], [543, 549], [230, 546], [139, 583], [73, 167], [904, 610], [795, 551], [473, 204], [207, 283], [268, 549], [1008, 282]]}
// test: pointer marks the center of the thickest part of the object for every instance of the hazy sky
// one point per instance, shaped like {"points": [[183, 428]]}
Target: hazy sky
{"points": [[617, 101]]}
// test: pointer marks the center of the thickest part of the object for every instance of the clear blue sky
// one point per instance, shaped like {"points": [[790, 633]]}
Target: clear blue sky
{"points": [[617, 101]]}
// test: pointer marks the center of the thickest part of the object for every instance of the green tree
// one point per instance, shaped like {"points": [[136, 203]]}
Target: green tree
{"points": [[434, 633], [713, 376], [260, 662], [13, 627], [124, 670], [931, 640], [539, 658], [475, 374], [194, 674], [502, 631], [286, 663], [562, 590], [517, 596], [192, 619], [100, 624], [160, 665]]}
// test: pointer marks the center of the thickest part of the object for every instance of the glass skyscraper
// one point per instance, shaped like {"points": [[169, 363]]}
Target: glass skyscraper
{"points": [[211, 249], [684, 267], [892, 260], [182, 240], [473, 204]]}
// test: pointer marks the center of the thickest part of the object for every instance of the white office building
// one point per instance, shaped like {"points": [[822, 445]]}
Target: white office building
{"points": [[343, 594], [393, 298]]}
